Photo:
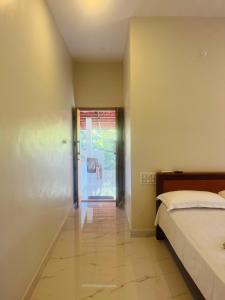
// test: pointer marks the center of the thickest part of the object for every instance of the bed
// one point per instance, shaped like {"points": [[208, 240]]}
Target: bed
{"points": [[195, 235]]}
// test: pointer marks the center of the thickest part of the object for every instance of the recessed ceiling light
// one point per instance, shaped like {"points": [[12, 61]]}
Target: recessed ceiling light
{"points": [[5, 2], [94, 6]]}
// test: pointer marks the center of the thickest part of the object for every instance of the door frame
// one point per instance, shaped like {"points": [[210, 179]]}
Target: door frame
{"points": [[120, 154], [75, 155]]}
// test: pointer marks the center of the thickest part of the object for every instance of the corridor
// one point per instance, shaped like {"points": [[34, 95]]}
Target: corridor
{"points": [[95, 258]]}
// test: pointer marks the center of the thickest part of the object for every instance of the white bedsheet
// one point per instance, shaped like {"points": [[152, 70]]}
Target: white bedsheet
{"points": [[197, 236]]}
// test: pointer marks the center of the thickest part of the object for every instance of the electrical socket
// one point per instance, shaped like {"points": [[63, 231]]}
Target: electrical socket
{"points": [[147, 177]]}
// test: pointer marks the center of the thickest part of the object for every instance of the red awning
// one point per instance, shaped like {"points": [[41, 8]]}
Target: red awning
{"points": [[101, 119]]}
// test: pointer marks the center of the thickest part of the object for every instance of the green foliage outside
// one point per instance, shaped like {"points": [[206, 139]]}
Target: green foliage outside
{"points": [[102, 140]]}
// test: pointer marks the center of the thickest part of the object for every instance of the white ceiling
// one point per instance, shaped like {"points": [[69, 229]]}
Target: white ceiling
{"points": [[97, 29]]}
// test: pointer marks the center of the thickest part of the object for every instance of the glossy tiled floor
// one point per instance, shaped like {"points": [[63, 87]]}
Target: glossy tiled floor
{"points": [[95, 258]]}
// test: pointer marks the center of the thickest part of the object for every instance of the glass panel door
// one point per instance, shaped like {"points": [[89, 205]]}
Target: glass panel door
{"points": [[98, 139]]}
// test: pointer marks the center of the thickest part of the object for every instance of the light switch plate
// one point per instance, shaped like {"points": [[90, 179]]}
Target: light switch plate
{"points": [[147, 177]]}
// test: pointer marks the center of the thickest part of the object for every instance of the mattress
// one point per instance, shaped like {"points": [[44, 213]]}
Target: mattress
{"points": [[197, 236]]}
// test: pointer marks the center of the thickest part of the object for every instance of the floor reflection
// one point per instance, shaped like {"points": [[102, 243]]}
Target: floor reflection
{"points": [[95, 258]]}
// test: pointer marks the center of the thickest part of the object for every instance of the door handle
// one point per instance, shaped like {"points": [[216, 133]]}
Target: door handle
{"points": [[75, 144], [78, 149]]}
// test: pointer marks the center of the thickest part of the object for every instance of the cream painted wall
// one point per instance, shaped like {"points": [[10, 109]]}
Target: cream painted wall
{"points": [[98, 84], [176, 102], [36, 95]]}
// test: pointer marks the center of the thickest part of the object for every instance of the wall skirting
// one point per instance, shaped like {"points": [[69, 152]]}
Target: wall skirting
{"points": [[31, 286], [142, 232]]}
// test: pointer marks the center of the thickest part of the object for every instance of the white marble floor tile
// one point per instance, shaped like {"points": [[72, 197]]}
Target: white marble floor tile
{"points": [[95, 258]]}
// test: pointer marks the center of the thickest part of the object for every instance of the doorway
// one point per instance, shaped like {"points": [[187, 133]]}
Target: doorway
{"points": [[98, 155]]}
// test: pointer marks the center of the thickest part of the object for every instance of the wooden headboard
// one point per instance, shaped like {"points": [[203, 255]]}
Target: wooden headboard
{"points": [[199, 181]]}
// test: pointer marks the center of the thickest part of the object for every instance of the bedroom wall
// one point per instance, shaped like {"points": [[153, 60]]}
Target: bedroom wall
{"points": [[176, 102], [36, 95], [98, 84]]}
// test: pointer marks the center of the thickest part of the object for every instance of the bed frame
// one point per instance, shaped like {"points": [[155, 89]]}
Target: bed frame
{"points": [[174, 181]]}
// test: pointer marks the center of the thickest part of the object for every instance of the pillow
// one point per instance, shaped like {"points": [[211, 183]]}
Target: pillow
{"points": [[222, 194], [190, 199]]}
